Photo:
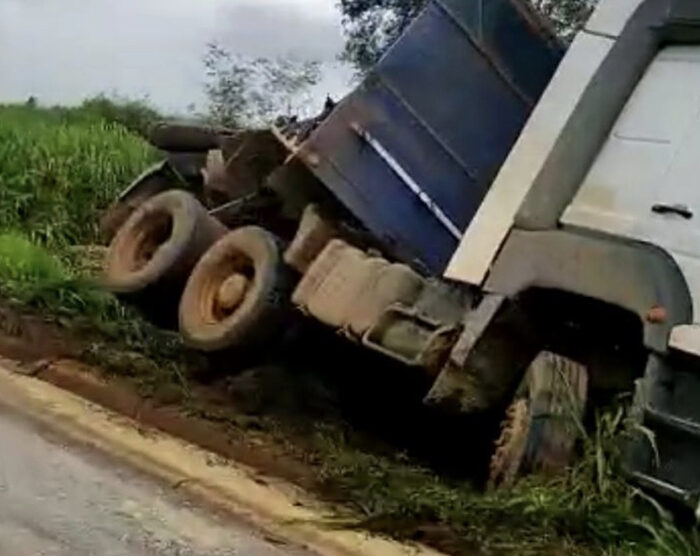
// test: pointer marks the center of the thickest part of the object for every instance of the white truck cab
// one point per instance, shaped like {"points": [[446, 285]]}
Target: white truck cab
{"points": [[599, 201]]}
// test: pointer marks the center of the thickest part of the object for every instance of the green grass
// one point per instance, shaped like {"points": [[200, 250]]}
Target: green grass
{"points": [[588, 510], [59, 168], [31, 275], [21, 261]]}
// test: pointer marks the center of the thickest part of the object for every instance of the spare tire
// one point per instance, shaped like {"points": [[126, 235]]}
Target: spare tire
{"points": [[176, 137], [160, 243], [238, 295]]}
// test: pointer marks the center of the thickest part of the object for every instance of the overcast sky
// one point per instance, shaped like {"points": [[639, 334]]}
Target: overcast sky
{"points": [[62, 51]]}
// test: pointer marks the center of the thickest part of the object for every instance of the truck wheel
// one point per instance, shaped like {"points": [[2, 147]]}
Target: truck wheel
{"points": [[238, 294], [174, 136], [510, 446], [160, 242], [540, 430]]}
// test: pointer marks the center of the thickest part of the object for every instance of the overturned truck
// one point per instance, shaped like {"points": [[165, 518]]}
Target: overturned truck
{"points": [[518, 226]]}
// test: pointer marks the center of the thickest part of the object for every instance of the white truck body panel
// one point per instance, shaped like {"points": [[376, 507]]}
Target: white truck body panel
{"points": [[611, 16], [494, 219], [651, 159]]}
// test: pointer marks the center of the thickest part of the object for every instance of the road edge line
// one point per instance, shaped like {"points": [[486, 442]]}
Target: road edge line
{"points": [[270, 504]]}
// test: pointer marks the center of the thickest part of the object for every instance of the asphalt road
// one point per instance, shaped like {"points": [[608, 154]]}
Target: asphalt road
{"points": [[58, 498]]}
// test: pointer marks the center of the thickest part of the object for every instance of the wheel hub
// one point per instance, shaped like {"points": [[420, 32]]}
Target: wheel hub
{"points": [[232, 291]]}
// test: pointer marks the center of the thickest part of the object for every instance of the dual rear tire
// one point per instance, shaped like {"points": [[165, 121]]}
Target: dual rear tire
{"points": [[238, 294], [159, 243], [232, 288]]}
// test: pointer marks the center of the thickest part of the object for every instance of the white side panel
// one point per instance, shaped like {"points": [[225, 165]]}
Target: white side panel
{"points": [[652, 159], [493, 221], [611, 16]]}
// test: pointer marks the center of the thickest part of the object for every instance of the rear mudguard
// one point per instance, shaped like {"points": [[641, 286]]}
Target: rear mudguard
{"points": [[155, 179], [144, 181]]}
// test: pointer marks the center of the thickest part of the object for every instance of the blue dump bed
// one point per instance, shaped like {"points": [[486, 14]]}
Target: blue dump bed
{"points": [[411, 152]]}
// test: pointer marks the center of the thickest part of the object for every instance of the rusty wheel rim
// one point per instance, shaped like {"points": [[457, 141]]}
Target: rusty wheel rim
{"points": [[147, 236], [228, 283]]}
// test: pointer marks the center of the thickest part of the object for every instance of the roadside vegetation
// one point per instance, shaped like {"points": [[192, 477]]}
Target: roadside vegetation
{"points": [[588, 510], [59, 168]]}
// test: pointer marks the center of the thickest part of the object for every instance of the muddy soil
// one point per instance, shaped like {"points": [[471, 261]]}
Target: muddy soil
{"points": [[267, 413]]}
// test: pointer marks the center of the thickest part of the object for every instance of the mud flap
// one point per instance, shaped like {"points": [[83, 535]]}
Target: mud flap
{"points": [[155, 179], [488, 361], [135, 187]]}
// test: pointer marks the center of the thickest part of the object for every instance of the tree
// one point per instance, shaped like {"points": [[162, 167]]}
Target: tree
{"points": [[371, 26], [135, 114], [566, 16], [245, 91]]}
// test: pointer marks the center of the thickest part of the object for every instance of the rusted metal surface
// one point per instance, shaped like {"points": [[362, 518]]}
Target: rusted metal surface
{"points": [[666, 406], [488, 361]]}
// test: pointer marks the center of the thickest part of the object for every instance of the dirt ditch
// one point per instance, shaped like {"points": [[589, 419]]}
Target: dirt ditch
{"points": [[274, 416]]}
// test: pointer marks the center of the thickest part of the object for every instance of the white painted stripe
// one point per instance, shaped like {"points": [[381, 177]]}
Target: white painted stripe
{"points": [[408, 180]]}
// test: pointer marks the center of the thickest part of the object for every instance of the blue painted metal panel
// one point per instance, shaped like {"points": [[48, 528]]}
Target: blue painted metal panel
{"points": [[382, 201], [513, 38], [445, 105], [456, 92]]}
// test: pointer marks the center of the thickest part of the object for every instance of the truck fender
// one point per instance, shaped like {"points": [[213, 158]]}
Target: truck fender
{"points": [[155, 179], [136, 186], [636, 276], [499, 338]]}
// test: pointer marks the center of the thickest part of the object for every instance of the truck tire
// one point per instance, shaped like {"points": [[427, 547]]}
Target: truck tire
{"points": [[174, 136], [507, 459], [540, 430], [238, 294], [159, 243]]}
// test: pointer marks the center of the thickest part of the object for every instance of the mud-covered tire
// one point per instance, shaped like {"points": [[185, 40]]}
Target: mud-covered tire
{"points": [[540, 430], [160, 242], [263, 306], [507, 458]]}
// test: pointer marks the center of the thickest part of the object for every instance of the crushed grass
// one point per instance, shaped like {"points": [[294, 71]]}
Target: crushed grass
{"points": [[122, 342]]}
